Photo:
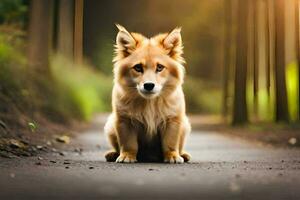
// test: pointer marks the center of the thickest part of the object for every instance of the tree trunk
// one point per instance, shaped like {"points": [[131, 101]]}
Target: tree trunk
{"points": [[66, 28], [280, 81], [78, 31], [38, 37], [227, 54], [240, 112], [255, 57], [268, 53], [297, 50]]}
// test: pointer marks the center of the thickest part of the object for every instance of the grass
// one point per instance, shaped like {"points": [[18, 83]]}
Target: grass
{"points": [[266, 103], [81, 90], [202, 97], [69, 92], [292, 89]]}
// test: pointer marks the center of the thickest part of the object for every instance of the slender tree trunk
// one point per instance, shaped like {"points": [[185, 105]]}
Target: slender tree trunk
{"points": [[255, 57], [66, 28], [280, 81], [78, 31], [227, 54], [55, 17], [240, 113], [268, 55], [39, 26], [297, 50]]}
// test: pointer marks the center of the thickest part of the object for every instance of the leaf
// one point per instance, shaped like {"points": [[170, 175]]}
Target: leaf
{"points": [[293, 141], [32, 126], [16, 144], [63, 139], [3, 124]]}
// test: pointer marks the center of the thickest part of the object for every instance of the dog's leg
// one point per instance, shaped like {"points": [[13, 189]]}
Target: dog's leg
{"points": [[170, 141], [185, 131], [109, 130], [112, 155], [185, 155], [127, 139]]}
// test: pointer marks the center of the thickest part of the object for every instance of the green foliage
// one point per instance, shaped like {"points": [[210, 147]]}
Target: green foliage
{"points": [[266, 104], [292, 89], [202, 97], [103, 57], [12, 11], [32, 126], [265, 108], [70, 91], [80, 90], [12, 70]]}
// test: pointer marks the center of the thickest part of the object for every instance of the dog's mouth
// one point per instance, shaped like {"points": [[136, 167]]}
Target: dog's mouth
{"points": [[148, 94]]}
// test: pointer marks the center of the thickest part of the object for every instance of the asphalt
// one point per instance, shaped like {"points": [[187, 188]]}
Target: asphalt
{"points": [[221, 168]]}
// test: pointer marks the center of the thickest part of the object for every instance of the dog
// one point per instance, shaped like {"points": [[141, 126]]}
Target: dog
{"points": [[148, 122]]}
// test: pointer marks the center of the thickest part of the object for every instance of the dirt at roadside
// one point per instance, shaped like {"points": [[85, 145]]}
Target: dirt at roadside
{"points": [[283, 135], [35, 138], [277, 135], [46, 136]]}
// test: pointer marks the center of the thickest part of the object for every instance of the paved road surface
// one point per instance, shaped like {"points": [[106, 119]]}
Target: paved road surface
{"points": [[221, 168]]}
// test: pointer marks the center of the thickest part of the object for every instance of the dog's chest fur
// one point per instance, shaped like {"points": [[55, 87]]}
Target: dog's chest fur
{"points": [[152, 113]]}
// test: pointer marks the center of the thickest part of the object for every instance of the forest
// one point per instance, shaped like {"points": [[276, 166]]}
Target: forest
{"points": [[242, 58], [241, 89]]}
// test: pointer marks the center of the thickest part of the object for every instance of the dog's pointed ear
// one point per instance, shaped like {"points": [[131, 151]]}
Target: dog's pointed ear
{"points": [[173, 44], [125, 43], [173, 39]]}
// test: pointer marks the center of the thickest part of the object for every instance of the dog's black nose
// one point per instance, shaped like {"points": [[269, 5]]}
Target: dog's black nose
{"points": [[149, 86]]}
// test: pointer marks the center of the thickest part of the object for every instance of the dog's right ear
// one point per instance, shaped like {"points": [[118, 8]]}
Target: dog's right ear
{"points": [[125, 43]]}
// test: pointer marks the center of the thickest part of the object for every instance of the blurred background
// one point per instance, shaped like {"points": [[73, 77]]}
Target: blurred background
{"points": [[56, 57]]}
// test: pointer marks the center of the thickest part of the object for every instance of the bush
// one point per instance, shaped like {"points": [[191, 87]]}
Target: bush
{"points": [[12, 74], [69, 91], [202, 97], [13, 11], [81, 91]]}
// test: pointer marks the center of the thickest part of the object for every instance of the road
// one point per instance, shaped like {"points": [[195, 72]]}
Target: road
{"points": [[221, 168]]}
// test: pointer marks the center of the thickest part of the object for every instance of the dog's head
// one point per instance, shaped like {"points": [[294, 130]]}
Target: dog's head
{"points": [[149, 66]]}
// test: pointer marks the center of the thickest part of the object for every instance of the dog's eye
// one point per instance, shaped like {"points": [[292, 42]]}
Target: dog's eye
{"points": [[159, 67], [138, 68]]}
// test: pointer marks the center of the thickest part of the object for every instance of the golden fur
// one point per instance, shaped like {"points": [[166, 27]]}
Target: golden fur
{"points": [[148, 125]]}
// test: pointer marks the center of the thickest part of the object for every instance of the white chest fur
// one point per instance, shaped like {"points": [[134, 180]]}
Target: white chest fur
{"points": [[153, 113]]}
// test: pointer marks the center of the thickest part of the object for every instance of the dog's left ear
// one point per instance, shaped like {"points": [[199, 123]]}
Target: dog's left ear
{"points": [[173, 44], [125, 43]]}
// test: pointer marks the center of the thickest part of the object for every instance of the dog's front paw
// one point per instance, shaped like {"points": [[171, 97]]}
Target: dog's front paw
{"points": [[111, 156], [186, 156], [126, 157], [173, 157]]}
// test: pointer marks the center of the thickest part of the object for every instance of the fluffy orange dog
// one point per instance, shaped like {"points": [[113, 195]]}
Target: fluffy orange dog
{"points": [[148, 122]]}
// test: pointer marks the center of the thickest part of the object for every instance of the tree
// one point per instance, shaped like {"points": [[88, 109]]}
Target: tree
{"points": [[268, 42], [39, 25], [78, 31], [70, 29], [240, 112], [227, 54], [297, 49], [280, 81], [65, 35], [255, 56]]}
